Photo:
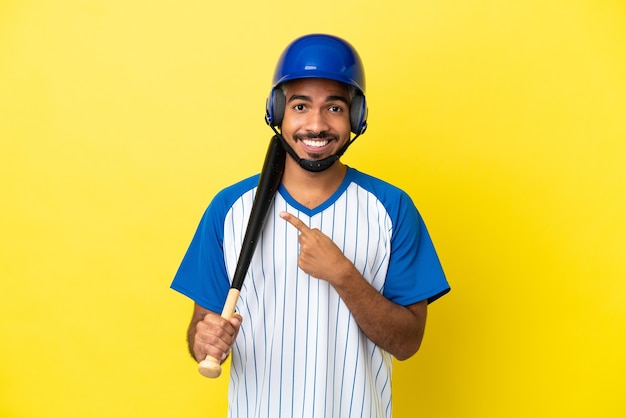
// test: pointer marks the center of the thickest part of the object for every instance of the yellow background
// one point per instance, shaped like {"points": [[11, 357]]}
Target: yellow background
{"points": [[505, 120]]}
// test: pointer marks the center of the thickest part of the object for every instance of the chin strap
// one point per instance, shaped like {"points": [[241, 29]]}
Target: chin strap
{"points": [[314, 166]]}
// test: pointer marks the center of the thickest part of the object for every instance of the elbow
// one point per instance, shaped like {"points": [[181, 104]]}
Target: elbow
{"points": [[408, 350], [410, 343]]}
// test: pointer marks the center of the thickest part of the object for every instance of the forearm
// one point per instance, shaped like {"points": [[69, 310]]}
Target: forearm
{"points": [[395, 328]]}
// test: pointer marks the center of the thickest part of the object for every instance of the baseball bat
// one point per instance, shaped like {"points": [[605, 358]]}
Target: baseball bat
{"points": [[269, 181]]}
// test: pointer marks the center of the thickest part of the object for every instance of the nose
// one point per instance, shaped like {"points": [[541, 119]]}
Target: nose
{"points": [[317, 122]]}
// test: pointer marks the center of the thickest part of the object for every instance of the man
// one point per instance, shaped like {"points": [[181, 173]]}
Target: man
{"points": [[344, 269]]}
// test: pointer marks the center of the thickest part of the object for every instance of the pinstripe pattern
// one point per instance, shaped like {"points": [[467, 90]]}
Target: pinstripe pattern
{"points": [[299, 352]]}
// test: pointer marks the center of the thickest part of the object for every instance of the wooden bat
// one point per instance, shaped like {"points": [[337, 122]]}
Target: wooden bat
{"points": [[269, 180]]}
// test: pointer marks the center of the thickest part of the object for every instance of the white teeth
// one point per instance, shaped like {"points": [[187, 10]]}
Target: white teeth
{"points": [[315, 144]]}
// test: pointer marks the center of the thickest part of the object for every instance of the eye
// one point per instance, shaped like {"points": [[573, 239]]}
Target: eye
{"points": [[299, 107], [335, 108]]}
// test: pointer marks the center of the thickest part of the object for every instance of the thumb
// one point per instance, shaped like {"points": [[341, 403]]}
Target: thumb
{"points": [[236, 320]]}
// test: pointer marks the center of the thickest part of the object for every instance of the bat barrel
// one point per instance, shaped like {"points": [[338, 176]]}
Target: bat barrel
{"points": [[269, 181]]}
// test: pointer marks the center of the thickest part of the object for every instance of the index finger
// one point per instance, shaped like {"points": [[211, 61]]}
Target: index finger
{"points": [[295, 221]]}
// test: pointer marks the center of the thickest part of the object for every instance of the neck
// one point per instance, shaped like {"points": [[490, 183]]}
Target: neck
{"points": [[312, 188]]}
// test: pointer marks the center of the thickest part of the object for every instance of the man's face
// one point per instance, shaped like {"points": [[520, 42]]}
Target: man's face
{"points": [[317, 117]]}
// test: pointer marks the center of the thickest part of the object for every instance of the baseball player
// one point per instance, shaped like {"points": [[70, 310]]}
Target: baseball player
{"points": [[344, 269]]}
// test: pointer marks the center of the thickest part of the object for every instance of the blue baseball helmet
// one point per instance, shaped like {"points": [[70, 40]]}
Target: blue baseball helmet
{"points": [[319, 56]]}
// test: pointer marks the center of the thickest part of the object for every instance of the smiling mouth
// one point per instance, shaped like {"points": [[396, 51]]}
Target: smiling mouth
{"points": [[316, 140], [311, 143]]}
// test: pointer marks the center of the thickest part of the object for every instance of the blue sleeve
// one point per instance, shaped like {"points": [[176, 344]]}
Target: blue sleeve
{"points": [[202, 275], [415, 272]]}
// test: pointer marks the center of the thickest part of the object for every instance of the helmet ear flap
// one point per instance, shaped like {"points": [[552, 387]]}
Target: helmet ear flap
{"points": [[358, 114], [275, 107]]}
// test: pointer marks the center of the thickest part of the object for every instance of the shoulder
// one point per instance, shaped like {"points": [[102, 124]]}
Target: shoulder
{"points": [[388, 194], [226, 197], [394, 202]]}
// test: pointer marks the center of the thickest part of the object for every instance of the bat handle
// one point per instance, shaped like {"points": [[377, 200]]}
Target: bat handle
{"points": [[210, 367]]}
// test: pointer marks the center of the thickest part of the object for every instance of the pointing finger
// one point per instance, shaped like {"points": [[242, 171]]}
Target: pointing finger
{"points": [[293, 220]]}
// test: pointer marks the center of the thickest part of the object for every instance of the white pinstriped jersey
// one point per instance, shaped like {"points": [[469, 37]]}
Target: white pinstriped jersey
{"points": [[299, 352]]}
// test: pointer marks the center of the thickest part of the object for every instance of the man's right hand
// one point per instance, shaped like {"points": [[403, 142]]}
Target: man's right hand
{"points": [[211, 335]]}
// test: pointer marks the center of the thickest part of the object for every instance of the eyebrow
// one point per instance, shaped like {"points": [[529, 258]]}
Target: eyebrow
{"points": [[308, 99]]}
